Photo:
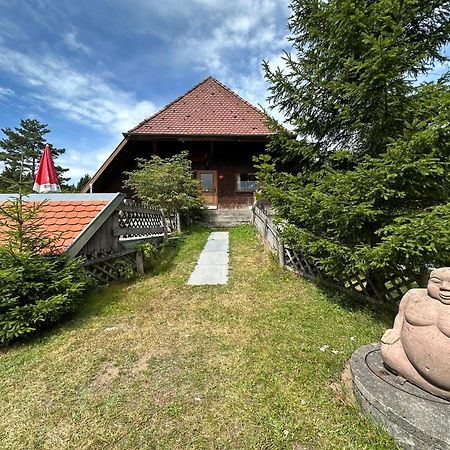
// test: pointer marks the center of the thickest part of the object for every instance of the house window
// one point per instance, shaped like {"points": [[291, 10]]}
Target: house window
{"points": [[246, 182]]}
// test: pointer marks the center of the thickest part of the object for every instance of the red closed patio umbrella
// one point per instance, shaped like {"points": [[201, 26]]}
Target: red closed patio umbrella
{"points": [[46, 177]]}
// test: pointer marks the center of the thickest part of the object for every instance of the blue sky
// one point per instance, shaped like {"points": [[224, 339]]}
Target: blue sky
{"points": [[93, 69]]}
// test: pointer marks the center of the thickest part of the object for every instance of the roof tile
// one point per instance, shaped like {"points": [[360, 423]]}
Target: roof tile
{"points": [[65, 220], [210, 108]]}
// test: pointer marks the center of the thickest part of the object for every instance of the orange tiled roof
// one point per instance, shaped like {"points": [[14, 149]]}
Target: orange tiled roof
{"points": [[210, 108], [67, 219]]}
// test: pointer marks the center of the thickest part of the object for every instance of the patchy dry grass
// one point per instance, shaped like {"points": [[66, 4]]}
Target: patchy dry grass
{"points": [[158, 364]]}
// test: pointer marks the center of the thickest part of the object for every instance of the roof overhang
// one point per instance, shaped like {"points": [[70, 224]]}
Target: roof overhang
{"points": [[105, 165], [197, 137], [82, 239], [171, 137]]}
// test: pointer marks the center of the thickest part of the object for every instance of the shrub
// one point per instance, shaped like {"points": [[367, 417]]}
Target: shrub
{"points": [[167, 183], [151, 255]]}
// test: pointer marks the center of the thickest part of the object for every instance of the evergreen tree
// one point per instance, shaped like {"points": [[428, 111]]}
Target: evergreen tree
{"points": [[83, 181], [38, 285], [370, 143], [20, 152]]}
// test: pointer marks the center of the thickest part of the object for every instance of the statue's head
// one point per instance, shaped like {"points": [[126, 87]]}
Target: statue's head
{"points": [[439, 285]]}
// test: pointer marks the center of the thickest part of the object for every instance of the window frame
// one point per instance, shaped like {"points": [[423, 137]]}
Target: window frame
{"points": [[238, 181]]}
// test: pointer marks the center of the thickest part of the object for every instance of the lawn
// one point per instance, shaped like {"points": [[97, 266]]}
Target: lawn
{"points": [[157, 364]]}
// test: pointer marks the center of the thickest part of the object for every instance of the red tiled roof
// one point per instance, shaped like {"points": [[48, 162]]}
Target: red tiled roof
{"points": [[210, 108], [67, 219]]}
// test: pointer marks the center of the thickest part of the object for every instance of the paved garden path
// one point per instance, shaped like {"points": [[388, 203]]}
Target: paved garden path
{"points": [[212, 265]]}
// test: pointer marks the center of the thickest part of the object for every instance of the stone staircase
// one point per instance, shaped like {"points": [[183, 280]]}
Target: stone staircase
{"points": [[225, 218]]}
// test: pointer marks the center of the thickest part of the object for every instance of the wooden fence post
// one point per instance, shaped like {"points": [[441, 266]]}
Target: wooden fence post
{"points": [[178, 222], [164, 224], [266, 219], [115, 224], [140, 262], [281, 252]]}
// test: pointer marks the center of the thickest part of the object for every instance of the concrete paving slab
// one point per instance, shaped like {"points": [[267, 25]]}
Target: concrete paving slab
{"points": [[209, 274], [212, 265], [220, 245], [213, 258], [219, 235]]}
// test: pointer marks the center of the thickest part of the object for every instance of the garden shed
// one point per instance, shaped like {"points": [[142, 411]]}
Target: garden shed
{"points": [[221, 132], [99, 227]]}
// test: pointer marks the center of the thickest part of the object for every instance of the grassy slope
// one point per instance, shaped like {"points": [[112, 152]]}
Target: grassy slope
{"points": [[159, 364]]}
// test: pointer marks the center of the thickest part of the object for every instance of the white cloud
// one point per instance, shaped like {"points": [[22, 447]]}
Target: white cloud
{"points": [[253, 88], [5, 92], [71, 40], [241, 26], [230, 39], [79, 163], [227, 39], [83, 97], [212, 36], [215, 36], [8, 29]]}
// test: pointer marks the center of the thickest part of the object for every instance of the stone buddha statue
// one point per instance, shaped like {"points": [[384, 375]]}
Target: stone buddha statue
{"points": [[417, 348]]}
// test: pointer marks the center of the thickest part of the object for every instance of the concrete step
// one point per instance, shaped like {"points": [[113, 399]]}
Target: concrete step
{"points": [[228, 217]]}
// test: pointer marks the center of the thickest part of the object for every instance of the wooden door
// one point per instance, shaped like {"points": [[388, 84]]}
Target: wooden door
{"points": [[208, 186]]}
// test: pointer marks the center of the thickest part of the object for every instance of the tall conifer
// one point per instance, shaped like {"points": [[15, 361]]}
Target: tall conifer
{"points": [[370, 139]]}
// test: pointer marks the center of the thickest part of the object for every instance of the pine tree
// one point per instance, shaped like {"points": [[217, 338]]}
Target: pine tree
{"points": [[370, 142], [21, 150], [349, 82]]}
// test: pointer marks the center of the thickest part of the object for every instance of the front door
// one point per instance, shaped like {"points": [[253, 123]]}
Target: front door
{"points": [[208, 186]]}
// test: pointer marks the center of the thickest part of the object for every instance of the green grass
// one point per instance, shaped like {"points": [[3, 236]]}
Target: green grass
{"points": [[157, 364]]}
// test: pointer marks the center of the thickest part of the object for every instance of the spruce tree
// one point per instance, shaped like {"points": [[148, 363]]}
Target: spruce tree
{"points": [[38, 284], [82, 182], [369, 146], [20, 152]]}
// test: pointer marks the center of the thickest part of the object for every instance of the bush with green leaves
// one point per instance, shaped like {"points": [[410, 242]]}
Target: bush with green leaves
{"points": [[36, 286], [167, 183], [150, 252], [370, 140]]}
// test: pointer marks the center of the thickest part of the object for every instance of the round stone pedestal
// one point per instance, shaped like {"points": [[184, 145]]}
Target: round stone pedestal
{"points": [[415, 418]]}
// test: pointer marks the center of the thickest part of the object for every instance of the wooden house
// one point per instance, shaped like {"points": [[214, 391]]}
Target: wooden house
{"points": [[220, 130]]}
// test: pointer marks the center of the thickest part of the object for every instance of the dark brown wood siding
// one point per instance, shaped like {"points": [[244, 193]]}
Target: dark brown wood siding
{"points": [[229, 158]]}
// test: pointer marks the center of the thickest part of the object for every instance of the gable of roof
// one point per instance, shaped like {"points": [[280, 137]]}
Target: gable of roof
{"points": [[209, 108], [71, 218]]}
